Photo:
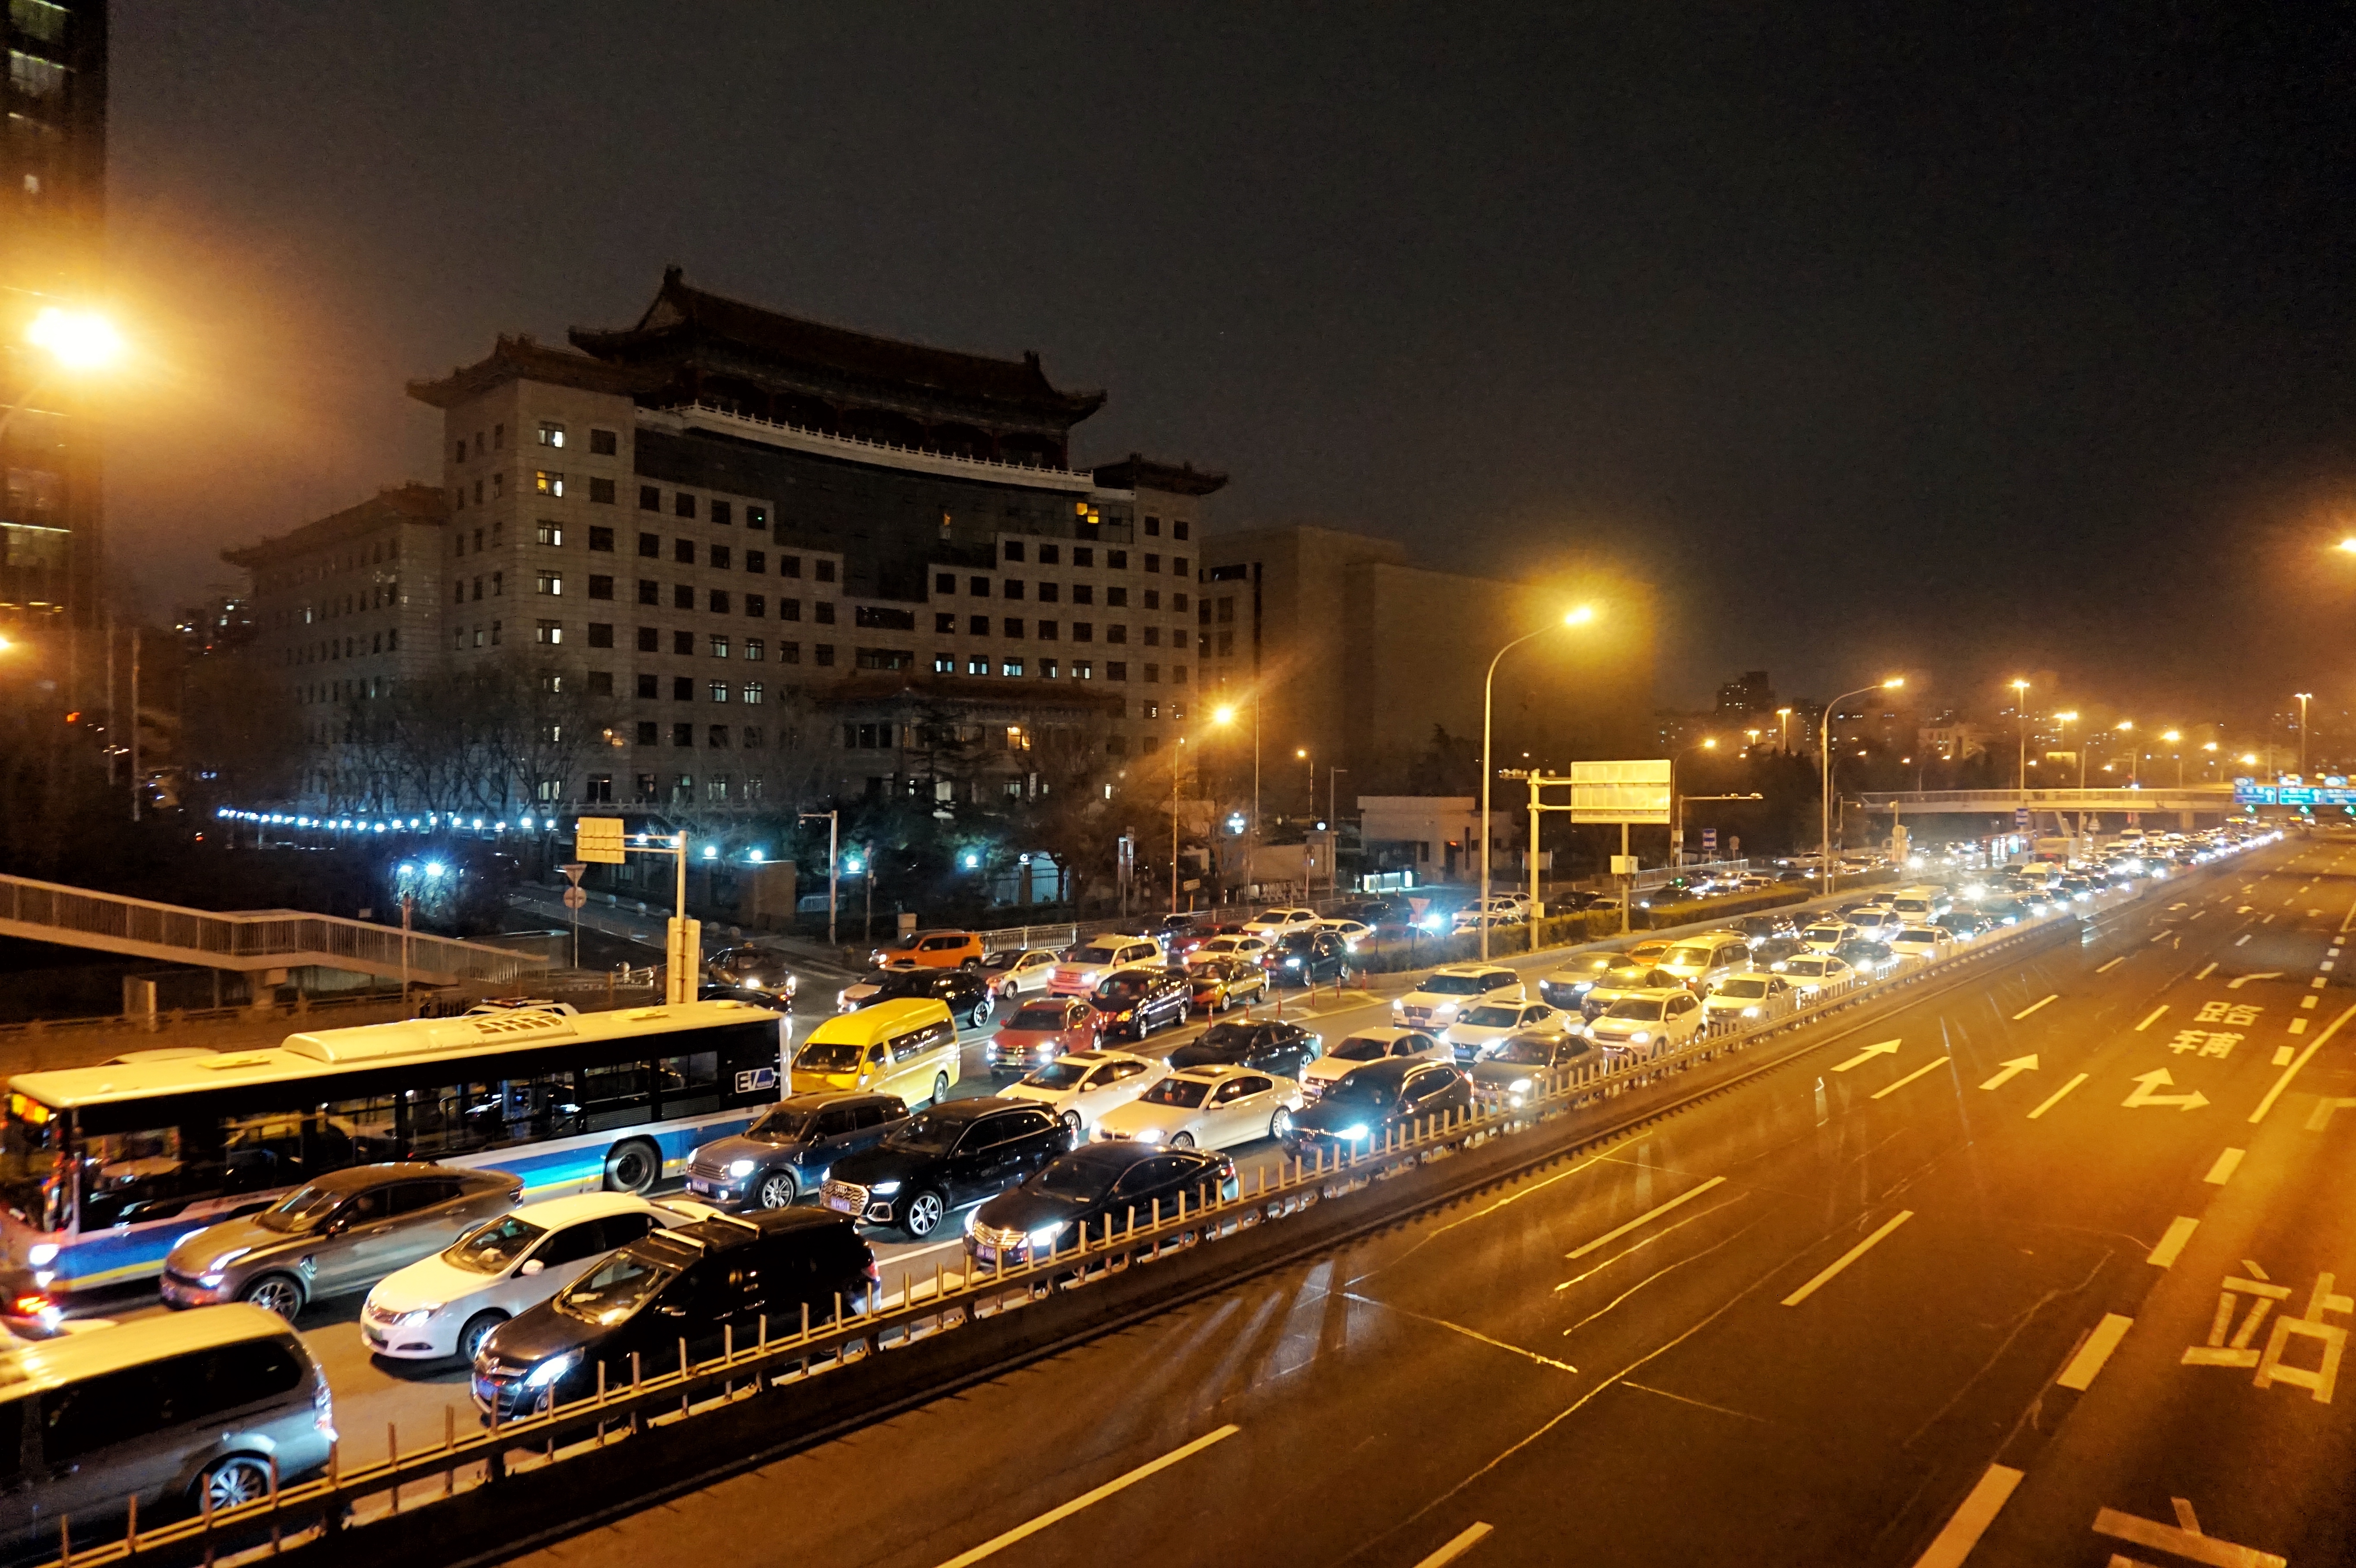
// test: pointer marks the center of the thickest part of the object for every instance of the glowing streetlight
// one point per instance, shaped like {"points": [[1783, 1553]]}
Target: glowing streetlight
{"points": [[76, 339], [1224, 714], [2304, 697], [1578, 615], [1825, 743]]}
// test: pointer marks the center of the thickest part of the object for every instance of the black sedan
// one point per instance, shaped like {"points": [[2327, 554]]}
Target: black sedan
{"points": [[1078, 1191], [1521, 1067], [785, 1156], [1361, 1110], [957, 1153], [1270, 1046], [1306, 957], [1867, 958], [967, 991], [1136, 1002], [1568, 985]]}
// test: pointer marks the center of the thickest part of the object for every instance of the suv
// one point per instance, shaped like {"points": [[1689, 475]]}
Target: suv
{"points": [[784, 1156], [933, 949], [1622, 979], [1136, 1002], [1019, 971], [1448, 991], [1653, 1020], [1267, 1046], [1704, 961], [1359, 1112], [954, 1155], [342, 1233], [1568, 986], [1278, 922], [965, 992], [693, 1283], [1084, 965], [1305, 957]]}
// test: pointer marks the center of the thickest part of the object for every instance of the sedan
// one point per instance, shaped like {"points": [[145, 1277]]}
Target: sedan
{"points": [[1223, 983], [750, 969], [1925, 942], [1366, 1045], [1808, 975], [1650, 1020], [1253, 949], [1305, 957], [1827, 934], [1623, 980], [1963, 924], [1019, 972], [1567, 986], [1081, 1087], [1269, 1045], [1136, 1002], [1351, 932], [1040, 1032], [1278, 922], [967, 995], [1479, 1030], [1209, 1107], [1073, 1196], [1365, 1108], [1521, 1062], [1747, 998], [1870, 958]]}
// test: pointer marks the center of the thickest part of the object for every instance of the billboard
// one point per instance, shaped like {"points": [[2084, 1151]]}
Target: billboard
{"points": [[1620, 792]]}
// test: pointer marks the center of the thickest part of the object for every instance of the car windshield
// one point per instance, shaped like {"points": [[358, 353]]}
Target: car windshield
{"points": [[999, 960], [1917, 933], [1745, 988], [1688, 957], [1228, 1036], [780, 1125], [1492, 1018], [1456, 985], [1523, 1052], [615, 1289], [1361, 1047], [1087, 1180], [1059, 1075], [304, 1209], [1227, 945], [1046, 1017], [828, 1056], [928, 1133], [489, 1248], [1807, 967], [1627, 973], [1641, 1009], [1365, 1093], [1123, 988], [1822, 932], [1184, 1093]]}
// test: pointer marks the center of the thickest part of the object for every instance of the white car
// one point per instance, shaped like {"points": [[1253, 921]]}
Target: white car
{"points": [[1019, 972], [1281, 921], [1812, 972], [447, 1305], [1478, 1032], [1504, 910], [1747, 997], [1081, 1087], [1351, 932], [1824, 935], [1436, 1003], [1207, 1107], [1876, 924], [1926, 942], [1649, 1019], [1251, 949], [1371, 1045], [1083, 967]]}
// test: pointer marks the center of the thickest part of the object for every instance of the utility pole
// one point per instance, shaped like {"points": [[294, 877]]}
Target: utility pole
{"points": [[833, 864], [1334, 843], [134, 725]]}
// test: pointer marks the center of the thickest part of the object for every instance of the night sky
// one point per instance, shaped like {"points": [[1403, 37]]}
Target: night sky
{"points": [[1967, 342]]}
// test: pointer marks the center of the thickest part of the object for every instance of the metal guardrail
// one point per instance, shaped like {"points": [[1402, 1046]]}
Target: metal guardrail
{"points": [[243, 940], [802, 1349]]}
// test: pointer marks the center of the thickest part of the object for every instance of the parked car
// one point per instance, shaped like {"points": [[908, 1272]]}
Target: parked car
{"points": [[784, 1156], [172, 1413], [750, 969], [1085, 966], [1448, 991], [1650, 1020], [447, 1305], [1078, 1191], [1306, 957], [1223, 983], [1269, 1045], [1925, 942], [1479, 1030], [693, 1282], [1568, 985], [906, 1046], [338, 1234], [1040, 1032], [1809, 975], [1278, 922], [1019, 972], [1136, 1002], [966, 993], [1360, 1110], [1622, 980], [1207, 1107], [1363, 1046], [1081, 1087], [1747, 998], [947, 1159], [933, 949], [1519, 1067]]}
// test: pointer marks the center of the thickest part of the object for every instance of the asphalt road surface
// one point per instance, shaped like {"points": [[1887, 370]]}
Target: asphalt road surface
{"points": [[1997, 1291]]}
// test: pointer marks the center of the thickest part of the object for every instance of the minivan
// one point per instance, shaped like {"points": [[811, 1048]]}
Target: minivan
{"points": [[906, 1046], [167, 1410], [1704, 961]]}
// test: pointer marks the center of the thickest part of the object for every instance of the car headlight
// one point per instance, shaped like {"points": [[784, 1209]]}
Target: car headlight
{"points": [[1044, 1236], [556, 1367], [884, 1188], [1353, 1132], [212, 1281], [741, 1168], [1293, 963], [416, 1315], [1640, 1036], [1519, 1086], [41, 1254], [1444, 1010], [1151, 1136], [1751, 1012]]}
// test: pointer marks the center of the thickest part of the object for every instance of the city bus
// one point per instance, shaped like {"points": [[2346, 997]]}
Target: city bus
{"points": [[103, 1169]]}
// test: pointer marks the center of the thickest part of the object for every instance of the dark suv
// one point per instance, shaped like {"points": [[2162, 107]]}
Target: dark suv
{"points": [[1136, 1002], [1271, 1046], [965, 991], [691, 1282], [1358, 1112], [784, 1156], [953, 1155], [1305, 957]]}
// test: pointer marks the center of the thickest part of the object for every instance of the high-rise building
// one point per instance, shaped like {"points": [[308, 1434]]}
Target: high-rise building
{"points": [[52, 227], [1748, 698]]}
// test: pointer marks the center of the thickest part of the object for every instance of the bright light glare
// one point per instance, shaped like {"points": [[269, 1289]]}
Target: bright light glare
{"points": [[1893, 683], [1580, 616], [1224, 714], [2349, 545], [80, 340]]}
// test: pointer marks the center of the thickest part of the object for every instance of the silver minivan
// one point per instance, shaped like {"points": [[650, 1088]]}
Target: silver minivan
{"points": [[1700, 962], [168, 1410]]}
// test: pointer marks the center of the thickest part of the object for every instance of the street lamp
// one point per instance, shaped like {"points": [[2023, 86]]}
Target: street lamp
{"points": [[1677, 803], [2303, 698], [2126, 726], [75, 340], [1578, 618], [1783, 723], [1825, 744], [2065, 720], [2174, 737], [2020, 714]]}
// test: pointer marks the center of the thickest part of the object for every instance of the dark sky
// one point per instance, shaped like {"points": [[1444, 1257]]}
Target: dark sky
{"points": [[1960, 339]]}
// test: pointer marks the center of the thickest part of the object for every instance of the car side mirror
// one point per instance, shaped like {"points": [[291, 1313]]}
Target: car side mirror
{"points": [[530, 1267], [668, 1311]]}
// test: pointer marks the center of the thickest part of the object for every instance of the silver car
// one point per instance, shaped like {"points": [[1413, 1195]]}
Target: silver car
{"points": [[338, 1234]]}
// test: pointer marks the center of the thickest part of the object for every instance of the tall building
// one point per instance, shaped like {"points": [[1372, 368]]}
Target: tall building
{"points": [[1750, 697], [52, 226]]}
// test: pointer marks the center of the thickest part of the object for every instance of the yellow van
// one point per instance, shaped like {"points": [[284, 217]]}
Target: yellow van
{"points": [[907, 1047]]}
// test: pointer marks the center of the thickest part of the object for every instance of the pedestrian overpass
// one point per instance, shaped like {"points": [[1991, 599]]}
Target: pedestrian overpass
{"points": [[265, 944], [2207, 798]]}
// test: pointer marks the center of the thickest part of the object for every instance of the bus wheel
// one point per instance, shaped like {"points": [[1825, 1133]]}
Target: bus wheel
{"points": [[632, 1166]]}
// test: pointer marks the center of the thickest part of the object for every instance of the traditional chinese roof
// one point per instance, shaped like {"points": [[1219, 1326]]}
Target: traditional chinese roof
{"points": [[521, 358], [410, 503], [1138, 472], [684, 324]]}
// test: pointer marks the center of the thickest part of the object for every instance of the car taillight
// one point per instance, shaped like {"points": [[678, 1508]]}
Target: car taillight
{"points": [[874, 1275]]}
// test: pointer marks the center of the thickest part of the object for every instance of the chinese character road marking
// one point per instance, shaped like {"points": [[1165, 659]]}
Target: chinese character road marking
{"points": [[2320, 1117], [2319, 1382], [2218, 1044], [2219, 1352], [2183, 1539], [2243, 1014]]}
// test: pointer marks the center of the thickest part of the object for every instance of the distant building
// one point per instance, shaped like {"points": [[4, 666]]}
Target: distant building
{"points": [[1749, 700], [1953, 739]]}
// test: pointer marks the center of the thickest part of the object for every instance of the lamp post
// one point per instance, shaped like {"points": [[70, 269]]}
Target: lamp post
{"points": [[2175, 737], [1578, 618], [1783, 721], [1825, 741], [833, 863], [1333, 839], [1677, 801], [2020, 715], [2303, 698], [75, 341], [1223, 716], [2065, 720]]}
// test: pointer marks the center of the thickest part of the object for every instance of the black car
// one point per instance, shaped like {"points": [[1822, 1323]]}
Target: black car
{"points": [[1271, 1046], [1760, 927], [1962, 922], [954, 1155], [1136, 1002], [1079, 1190], [1360, 1110], [1567, 985], [771, 1001], [785, 1156], [1572, 903], [1519, 1069], [1305, 957], [1776, 950], [1870, 958], [691, 1282], [967, 991]]}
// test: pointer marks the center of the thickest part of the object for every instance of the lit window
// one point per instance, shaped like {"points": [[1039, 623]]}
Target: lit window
{"points": [[755, 650], [1011, 667], [553, 534], [945, 663], [1047, 669], [550, 435], [752, 692], [550, 631], [976, 667], [552, 582], [719, 647], [719, 691], [1083, 669], [545, 483]]}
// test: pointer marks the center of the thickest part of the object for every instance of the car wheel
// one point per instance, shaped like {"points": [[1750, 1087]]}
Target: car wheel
{"points": [[633, 1166], [971, 963], [982, 1009], [1072, 1124], [241, 1479], [1185, 1010], [1280, 1125], [477, 1330], [1182, 1140], [940, 1087], [924, 1215], [279, 1293], [776, 1190]]}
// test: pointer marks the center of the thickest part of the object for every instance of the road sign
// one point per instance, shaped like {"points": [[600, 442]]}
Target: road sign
{"points": [[573, 870], [1709, 841], [575, 897], [2020, 816], [1620, 792], [598, 839]]}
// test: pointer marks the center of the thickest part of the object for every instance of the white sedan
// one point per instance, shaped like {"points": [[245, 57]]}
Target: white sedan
{"points": [[1351, 932], [1746, 998], [1925, 942], [1081, 1087], [447, 1305], [1252, 949], [1014, 973], [1478, 1032], [1278, 922], [1207, 1107], [1814, 972], [1375, 1044]]}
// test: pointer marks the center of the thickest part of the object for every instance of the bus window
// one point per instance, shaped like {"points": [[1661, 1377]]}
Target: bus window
{"points": [[616, 1096], [352, 1132], [457, 1118], [691, 1084]]}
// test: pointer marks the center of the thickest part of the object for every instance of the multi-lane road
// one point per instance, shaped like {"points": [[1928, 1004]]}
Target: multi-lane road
{"points": [[2049, 1265]]}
